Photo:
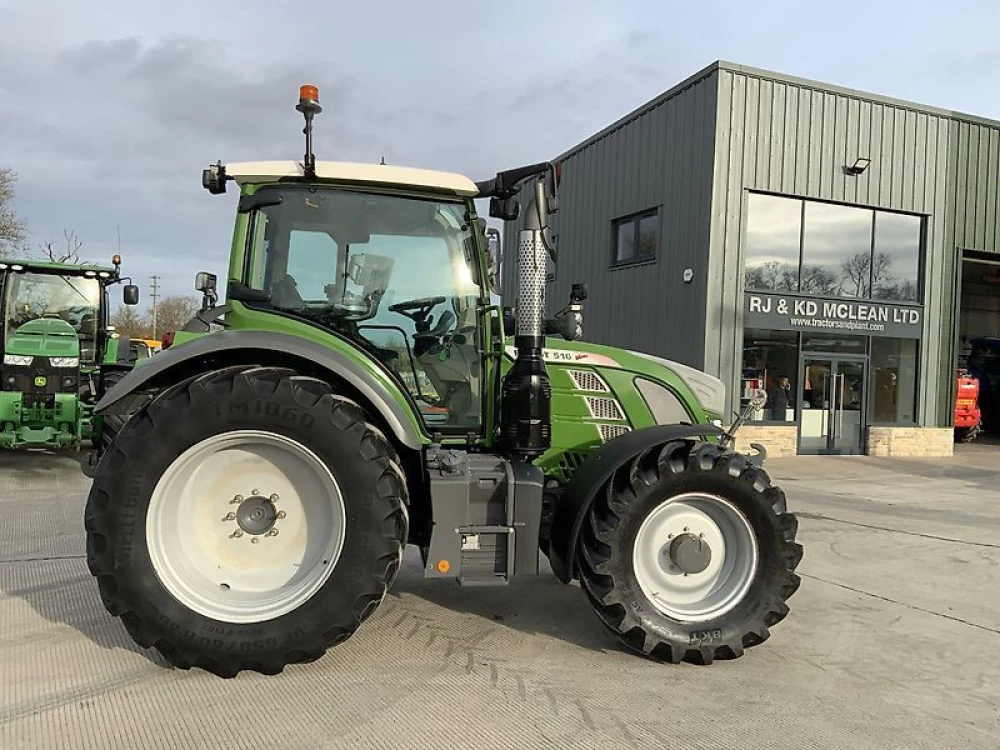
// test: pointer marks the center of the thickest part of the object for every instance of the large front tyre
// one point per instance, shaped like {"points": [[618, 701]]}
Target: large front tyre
{"points": [[248, 518], [689, 554]]}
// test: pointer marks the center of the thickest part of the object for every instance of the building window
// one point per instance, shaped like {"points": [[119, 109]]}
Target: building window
{"points": [[894, 380], [836, 251], [636, 238], [831, 250], [771, 363], [896, 264], [774, 233]]}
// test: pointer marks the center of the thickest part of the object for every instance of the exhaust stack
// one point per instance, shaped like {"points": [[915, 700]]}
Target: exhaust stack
{"points": [[527, 394]]}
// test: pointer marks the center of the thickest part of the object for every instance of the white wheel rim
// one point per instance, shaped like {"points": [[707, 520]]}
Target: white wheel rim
{"points": [[722, 584], [199, 548]]}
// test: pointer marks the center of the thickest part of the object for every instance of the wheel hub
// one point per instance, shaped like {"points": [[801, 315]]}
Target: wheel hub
{"points": [[690, 553], [256, 515]]}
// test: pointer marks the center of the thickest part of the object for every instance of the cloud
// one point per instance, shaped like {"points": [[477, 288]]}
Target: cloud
{"points": [[109, 112]]}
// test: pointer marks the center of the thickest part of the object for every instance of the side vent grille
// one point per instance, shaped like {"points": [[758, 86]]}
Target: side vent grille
{"points": [[585, 380], [611, 431], [604, 408]]}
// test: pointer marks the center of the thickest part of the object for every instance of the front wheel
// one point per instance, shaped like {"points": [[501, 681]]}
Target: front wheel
{"points": [[247, 518], [689, 553]]}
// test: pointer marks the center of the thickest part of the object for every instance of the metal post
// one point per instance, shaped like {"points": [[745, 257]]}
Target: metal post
{"points": [[154, 294]]}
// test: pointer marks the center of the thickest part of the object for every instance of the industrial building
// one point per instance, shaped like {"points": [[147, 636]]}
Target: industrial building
{"points": [[837, 248]]}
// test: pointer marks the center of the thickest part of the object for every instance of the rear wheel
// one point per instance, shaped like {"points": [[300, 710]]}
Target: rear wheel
{"points": [[247, 518], [689, 553]]}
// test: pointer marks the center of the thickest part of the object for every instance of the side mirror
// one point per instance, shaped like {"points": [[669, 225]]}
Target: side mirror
{"points": [[495, 256], [205, 282], [130, 294], [507, 209]]}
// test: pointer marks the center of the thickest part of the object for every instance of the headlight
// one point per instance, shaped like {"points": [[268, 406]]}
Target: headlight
{"points": [[64, 361], [18, 359]]}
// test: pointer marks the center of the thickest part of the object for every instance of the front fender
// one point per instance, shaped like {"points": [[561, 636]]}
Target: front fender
{"points": [[571, 510], [220, 349]]}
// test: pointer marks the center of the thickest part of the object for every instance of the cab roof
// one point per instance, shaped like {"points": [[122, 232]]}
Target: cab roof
{"points": [[68, 269], [369, 174]]}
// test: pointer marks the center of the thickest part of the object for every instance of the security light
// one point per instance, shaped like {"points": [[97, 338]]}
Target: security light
{"points": [[859, 166]]}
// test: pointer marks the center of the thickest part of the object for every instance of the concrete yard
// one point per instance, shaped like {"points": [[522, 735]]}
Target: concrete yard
{"points": [[892, 642]]}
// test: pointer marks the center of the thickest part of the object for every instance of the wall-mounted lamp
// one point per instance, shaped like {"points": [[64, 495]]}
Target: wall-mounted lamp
{"points": [[858, 167]]}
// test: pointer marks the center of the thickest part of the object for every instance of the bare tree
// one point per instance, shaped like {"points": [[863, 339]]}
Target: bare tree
{"points": [[70, 253], [128, 322], [12, 228], [771, 276], [819, 281], [172, 313]]}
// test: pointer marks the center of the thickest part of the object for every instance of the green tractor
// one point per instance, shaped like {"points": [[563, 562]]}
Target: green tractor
{"points": [[57, 349], [365, 394]]}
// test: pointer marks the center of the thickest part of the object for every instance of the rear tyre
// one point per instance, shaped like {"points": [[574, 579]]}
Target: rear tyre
{"points": [[689, 554], [247, 518]]}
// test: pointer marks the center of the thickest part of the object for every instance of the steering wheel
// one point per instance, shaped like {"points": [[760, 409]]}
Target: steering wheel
{"points": [[420, 306]]}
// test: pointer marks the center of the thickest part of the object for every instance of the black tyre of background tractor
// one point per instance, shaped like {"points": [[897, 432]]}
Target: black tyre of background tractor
{"points": [[604, 558], [112, 424], [366, 468]]}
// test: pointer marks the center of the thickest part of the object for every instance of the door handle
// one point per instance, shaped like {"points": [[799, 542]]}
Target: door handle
{"points": [[840, 416]]}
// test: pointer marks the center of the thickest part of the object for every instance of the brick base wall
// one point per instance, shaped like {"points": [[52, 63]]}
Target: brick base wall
{"points": [[778, 439], [911, 441]]}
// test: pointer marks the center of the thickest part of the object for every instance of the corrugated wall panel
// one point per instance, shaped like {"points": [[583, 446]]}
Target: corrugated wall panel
{"points": [[803, 151], [976, 164], [662, 156]]}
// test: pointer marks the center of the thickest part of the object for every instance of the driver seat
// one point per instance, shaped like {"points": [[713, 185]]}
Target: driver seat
{"points": [[285, 293], [424, 341]]}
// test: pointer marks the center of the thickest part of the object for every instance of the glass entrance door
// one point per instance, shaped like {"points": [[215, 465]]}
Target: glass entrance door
{"points": [[832, 407]]}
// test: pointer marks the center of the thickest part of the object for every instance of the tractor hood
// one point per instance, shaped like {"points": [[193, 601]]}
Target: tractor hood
{"points": [[44, 337], [708, 390]]}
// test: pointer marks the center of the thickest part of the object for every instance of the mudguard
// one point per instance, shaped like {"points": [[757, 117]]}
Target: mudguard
{"points": [[571, 510], [219, 350]]}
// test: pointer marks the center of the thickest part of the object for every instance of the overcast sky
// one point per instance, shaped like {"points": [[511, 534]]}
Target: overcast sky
{"points": [[109, 110]]}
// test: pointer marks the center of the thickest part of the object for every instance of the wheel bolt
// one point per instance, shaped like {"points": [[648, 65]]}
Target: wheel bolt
{"points": [[272, 532], [281, 514], [273, 498], [236, 500], [255, 540], [236, 534], [686, 528], [670, 536], [229, 517], [255, 492], [701, 535]]}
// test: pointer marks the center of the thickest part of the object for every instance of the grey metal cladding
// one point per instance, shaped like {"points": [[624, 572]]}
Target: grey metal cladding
{"points": [[658, 157], [975, 168], [785, 135]]}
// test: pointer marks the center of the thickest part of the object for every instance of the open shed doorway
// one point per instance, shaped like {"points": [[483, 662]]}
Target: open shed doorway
{"points": [[979, 333]]}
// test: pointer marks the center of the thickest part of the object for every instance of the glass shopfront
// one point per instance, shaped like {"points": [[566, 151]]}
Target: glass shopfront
{"points": [[832, 319]]}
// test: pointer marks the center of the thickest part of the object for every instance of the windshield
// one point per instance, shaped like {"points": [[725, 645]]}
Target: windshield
{"points": [[74, 299], [393, 274]]}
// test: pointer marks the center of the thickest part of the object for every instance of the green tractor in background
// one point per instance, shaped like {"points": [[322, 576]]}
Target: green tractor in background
{"points": [[251, 506], [59, 353]]}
